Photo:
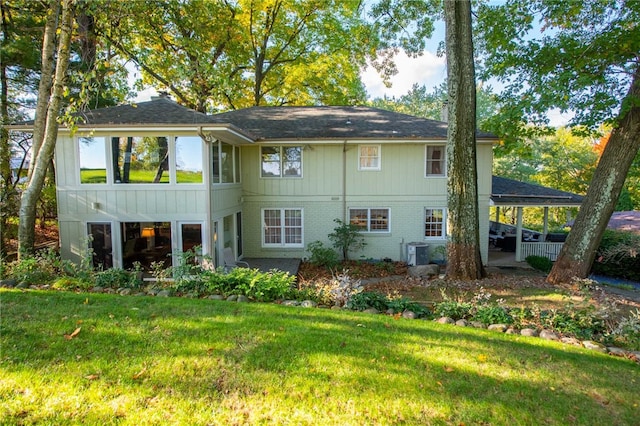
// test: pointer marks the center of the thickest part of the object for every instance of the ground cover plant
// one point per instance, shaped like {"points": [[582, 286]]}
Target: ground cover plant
{"points": [[83, 358]]}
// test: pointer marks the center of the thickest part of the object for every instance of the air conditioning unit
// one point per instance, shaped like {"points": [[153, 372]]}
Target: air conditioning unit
{"points": [[417, 254]]}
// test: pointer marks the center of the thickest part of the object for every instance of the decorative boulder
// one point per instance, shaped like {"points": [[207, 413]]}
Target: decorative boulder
{"points": [[424, 271]]}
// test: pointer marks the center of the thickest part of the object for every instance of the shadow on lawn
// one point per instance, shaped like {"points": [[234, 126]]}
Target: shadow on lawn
{"points": [[477, 374]]}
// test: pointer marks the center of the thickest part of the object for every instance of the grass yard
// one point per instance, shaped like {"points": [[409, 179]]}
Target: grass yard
{"points": [[104, 359]]}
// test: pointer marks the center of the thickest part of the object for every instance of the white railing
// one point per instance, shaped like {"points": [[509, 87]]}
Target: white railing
{"points": [[544, 249]]}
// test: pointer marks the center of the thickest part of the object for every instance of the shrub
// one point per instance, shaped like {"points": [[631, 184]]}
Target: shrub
{"points": [[492, 315], [71, 283], [540, 263], [584, 324], [627, 332], [453, 309], [366, 300], [402, 304], [336, 292], [322, 256], [346, 237], [117, 278], [256, 285], [618, 255]]}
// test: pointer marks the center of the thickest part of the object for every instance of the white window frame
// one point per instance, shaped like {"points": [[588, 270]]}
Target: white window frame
{"points": [[282, 228], [377, 159], [428, 162], [443, 234], [107, 158], [282, 174], [369, 229]]}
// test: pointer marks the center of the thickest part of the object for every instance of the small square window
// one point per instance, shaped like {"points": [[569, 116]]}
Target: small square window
{"points": [[370, 220], [281, 161], [434, 223]]}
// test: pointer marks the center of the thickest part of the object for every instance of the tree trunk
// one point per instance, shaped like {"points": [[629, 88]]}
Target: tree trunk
{"points": [[42, 157], [6, 178], [463, 250], [579, 250]]}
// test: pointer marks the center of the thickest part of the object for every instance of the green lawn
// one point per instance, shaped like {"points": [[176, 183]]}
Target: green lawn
{"points": [[140, 176], [144, 360]]}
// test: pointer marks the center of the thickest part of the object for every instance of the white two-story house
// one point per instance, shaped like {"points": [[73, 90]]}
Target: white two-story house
{"points": [[141, 183]]}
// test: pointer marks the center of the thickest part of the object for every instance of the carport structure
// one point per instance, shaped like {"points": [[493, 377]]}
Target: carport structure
{"points": [[519, 195]]}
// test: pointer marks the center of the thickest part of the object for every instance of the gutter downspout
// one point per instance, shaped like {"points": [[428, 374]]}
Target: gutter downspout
{"points": [[344, 181]]}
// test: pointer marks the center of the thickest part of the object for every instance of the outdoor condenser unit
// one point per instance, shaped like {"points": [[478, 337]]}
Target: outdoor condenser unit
{"points": [[417, 254]]}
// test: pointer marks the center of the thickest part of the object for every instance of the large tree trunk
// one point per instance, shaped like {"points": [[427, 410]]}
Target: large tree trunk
{"points": [[463, 250], [579, 250], [6, 178], [42, 157]]}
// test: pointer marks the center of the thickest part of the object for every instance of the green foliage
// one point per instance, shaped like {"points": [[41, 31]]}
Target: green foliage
{"points": [[582, 323], [346, 237], [618, 255], [453, 309], [334, 292], [627, 332], [540, 263], [322, 256], [117, 278], [371, 299], [492, 315], [256, 285], [71, 283]]}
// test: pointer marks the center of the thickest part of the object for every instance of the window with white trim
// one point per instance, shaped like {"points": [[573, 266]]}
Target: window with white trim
{"points": [[369, 157], [370, 220], [281, 161], [436, 160], [282, 228], [434, 223]]}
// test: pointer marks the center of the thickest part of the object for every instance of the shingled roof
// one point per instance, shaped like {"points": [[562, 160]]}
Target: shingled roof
{"points": [[334, 122], [509, 192], [162, 111]]}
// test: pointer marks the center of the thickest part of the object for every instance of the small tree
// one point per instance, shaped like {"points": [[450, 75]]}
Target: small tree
{"points": [[346, 237]]}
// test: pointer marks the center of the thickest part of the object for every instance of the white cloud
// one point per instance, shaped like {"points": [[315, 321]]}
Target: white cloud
{"points": [[428, 70]]}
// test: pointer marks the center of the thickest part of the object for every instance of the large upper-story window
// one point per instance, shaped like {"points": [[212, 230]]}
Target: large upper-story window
{"points": [[140, 159], [436, 160], [434, 223], [93, 160], [369, 157], [281, 161], [188, 159], [226, 163], [370, 220]]}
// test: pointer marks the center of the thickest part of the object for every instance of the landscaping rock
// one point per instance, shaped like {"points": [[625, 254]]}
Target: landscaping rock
{"points": [[423, 271], [445, 320], [124, 292], [216, 297], [139, 294], [164, 293], [477, 324], [242, 298], [511, 330], [232, 298], [153, 291], [571, 341], [390, 311], [616, 351], [308, 304], [191, 295], [371, 311], [462, 323], [498, 327], [530, 332], [9, 283], [594, 346], [409, 314], [549, 335], [22, 285]]}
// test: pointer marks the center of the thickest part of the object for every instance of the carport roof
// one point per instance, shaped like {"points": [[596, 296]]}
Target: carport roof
{"points": [[510, 192]]}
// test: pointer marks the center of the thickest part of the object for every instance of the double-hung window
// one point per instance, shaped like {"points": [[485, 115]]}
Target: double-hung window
{"points": [[436, 160], [282, 228], [281, 161], [434, 223], [369, 157], [370, 220]]}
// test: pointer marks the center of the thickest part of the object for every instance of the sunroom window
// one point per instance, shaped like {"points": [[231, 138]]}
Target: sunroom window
{"points": [[93, 160], [140, 159]]}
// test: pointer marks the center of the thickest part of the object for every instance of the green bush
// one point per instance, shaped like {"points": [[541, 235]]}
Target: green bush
{"points": [[71, 283], [323, 256], [540, 263], [492, 315], [346, 237], [117, 278], [256, 285], [618, 255], [453, 309], [584, 324], [366, 300], [402, 304]]}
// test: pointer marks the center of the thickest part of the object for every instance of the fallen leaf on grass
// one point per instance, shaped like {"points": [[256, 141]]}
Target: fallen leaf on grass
{"points": [[72, 335], [92, 377], [139, 373], [448, 369]]}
